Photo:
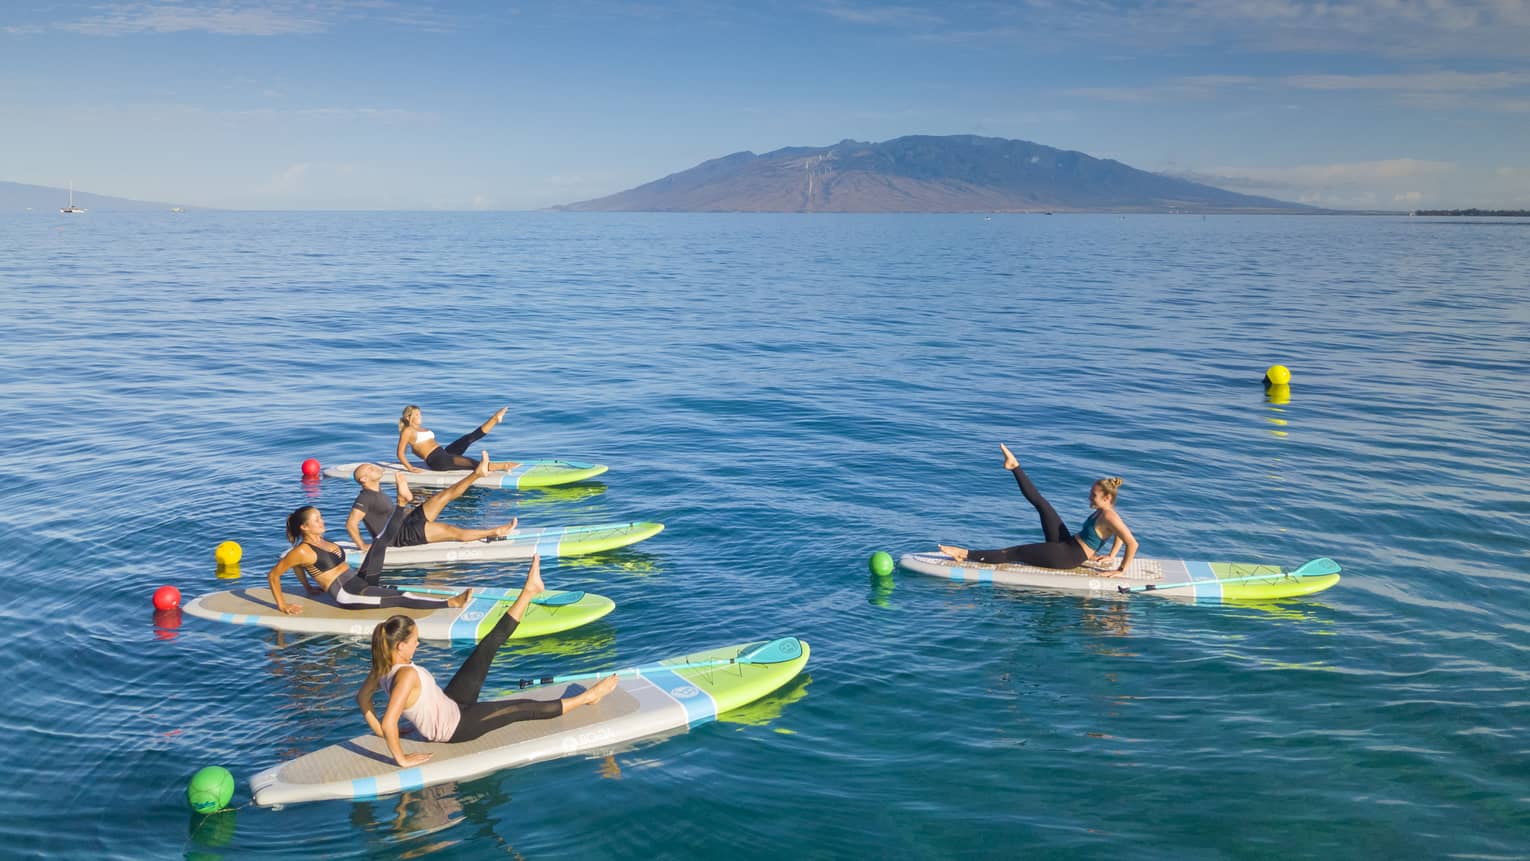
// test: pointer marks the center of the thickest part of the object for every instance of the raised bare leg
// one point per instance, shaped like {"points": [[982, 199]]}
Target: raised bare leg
{"points": [[493, 420], [434, 505], [533, 588]]}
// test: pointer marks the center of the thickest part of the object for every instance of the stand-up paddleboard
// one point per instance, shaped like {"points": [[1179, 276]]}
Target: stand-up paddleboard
{"points": [[549, 613], [547, 542], [656, 699], [525, 476], [1196, 582]]}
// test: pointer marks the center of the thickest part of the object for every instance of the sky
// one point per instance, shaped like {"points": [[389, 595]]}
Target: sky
{"points": [[375, 104]]}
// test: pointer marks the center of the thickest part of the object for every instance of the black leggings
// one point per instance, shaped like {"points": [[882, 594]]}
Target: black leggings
{"points": [[479, 718], [1060, 550], [446, 457], [358, 589]]}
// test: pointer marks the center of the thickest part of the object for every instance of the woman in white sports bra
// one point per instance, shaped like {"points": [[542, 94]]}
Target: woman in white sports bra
{"points": [[453, 714], [436, 456]]}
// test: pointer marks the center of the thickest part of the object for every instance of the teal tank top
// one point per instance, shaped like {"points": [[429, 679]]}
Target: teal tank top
{"points": [[1091, 533]]}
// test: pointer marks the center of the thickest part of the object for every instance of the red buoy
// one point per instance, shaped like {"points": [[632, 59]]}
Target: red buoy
{"points": [[310, 468], [167, 598]]}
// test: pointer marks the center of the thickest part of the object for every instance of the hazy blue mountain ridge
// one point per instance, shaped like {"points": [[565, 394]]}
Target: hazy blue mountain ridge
{"points": [[924, 173], [18, 195]]}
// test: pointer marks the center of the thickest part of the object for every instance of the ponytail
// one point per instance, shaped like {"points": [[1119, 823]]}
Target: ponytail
{"points": [[385, 638]]}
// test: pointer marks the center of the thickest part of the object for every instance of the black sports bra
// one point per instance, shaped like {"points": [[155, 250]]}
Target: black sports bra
{"points": [[324, 560]]}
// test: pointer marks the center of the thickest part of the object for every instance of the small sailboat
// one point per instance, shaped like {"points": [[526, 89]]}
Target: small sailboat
{"points": [[71, 209]]}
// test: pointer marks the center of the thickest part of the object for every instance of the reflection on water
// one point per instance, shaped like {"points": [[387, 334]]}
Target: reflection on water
{"points": [[166, 622], [553, 496], [207, 834], [880, 590], [763, 711], [624, 560]]}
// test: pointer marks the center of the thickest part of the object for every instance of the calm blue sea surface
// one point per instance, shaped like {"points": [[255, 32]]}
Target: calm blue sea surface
{"points": [[788, 394]]}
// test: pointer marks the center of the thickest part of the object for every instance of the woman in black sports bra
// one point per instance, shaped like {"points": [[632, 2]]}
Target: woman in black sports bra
{"points": [[313, 555]]}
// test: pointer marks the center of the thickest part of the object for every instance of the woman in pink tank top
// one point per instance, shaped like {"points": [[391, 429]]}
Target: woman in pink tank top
{"points": [[453, 714]]}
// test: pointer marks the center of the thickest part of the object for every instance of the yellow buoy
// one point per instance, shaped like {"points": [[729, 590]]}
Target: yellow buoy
{"points": [[1277, 375], [228, 553]]}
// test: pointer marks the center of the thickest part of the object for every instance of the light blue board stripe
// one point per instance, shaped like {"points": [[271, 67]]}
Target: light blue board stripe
{"points": [[548, 546], [699, 705], [364, 787], [1211, 588], [465, 626], [411, 779], [515, 473], [974, 575]]}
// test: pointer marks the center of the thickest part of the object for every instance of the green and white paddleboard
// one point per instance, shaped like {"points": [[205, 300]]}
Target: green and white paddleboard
{"points": [[525, 476], [549, 613], [547, 542], [656, 699], [1195, 582]]}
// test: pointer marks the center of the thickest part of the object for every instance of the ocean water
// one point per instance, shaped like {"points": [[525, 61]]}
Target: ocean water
{"points": [[788, 394]]}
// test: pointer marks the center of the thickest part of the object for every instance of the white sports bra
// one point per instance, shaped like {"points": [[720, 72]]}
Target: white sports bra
{"points": [[423, 436]]}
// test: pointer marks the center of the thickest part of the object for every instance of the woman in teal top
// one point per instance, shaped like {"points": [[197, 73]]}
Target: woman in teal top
{"points": [[1062, 549]]}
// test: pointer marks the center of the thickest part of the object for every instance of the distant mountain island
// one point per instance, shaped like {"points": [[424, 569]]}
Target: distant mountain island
{"points": [[921, 173], [20, 196], [1494, 213]]}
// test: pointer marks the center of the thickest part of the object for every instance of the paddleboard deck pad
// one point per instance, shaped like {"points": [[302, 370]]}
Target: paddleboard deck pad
{"points": [[1195, 582], [547, 541], [525, 476], [470, 623], [656, 700]]}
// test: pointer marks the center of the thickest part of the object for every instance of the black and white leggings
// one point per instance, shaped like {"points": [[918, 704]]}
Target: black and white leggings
{"points": [[358, 589]]}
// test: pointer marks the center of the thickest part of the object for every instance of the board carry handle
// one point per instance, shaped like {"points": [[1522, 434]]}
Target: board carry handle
{"points": [[771, 652], [1319, 567]]}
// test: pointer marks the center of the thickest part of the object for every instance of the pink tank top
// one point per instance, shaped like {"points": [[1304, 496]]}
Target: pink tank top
{"points": [[434, 714]]}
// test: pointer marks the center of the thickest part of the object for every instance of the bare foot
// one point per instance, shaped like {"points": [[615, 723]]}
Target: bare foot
{"points": [[482, 468], [1010, 462], [957, 553], [601, 688], [506, 529], [534, 585], [405, 495], [505, 465], [494, 420], [460, 600]]}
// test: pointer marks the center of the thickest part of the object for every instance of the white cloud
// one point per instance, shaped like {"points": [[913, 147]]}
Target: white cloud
{"points": [[286, 181], [226, 18], [1415, 82], [1326, 175], [1408, 197], [898, 15], [1392, 28], [1436, 90], [248, 18]]}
